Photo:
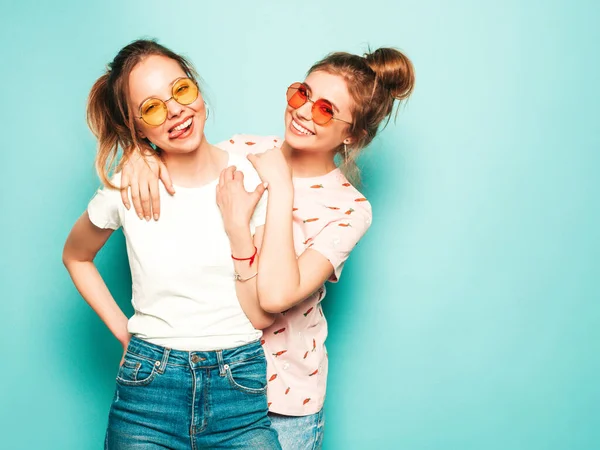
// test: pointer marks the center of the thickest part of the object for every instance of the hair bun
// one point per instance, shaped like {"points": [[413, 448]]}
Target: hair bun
{"points": [[394, 71]]}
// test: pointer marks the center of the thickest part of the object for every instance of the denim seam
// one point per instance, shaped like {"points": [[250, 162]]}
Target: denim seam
{"points": [[244, 360], [154, 360], [207, 399], [129, 364], [187, 365], [245, 389], [163, 362], [315, 433], [320, 428], [193, 421], [221, 363], [136, 370], [143, 382]]}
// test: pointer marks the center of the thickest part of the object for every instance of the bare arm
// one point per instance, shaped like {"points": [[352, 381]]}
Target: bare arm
{"points": [[242, 246], [82, 245], [283, 279], [237, 206]]}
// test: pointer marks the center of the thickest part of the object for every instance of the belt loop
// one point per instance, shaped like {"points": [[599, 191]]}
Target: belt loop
{"points": [[163, 363], [221, 364]]}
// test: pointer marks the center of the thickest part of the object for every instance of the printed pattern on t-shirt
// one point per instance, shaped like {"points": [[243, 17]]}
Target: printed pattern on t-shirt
{"points": [[329, 216]]}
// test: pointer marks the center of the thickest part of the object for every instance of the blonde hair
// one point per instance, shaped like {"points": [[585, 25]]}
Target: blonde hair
{"points": [[108, 113], [375, 82]]}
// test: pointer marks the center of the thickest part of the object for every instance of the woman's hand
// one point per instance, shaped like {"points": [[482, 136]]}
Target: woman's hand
{"points": [[236, 204], [125, 344], [141, 173], [272, 168]]}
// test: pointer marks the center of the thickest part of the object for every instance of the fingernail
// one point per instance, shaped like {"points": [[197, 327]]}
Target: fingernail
{"points": [[147, 218], [140, 216], [155, 216], [265, 184], [127, 206]]}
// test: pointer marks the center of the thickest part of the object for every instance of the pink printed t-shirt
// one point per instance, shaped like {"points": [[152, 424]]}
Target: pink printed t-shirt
{"points": [[330, 216]]}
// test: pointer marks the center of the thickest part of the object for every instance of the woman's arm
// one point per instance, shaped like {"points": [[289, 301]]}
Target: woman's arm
{"points": [[285, 280], [243, 246], [81, 247], [237, 206], [141, 173]]}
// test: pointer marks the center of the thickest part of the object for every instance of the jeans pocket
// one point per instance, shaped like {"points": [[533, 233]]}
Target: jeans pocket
{"points": [[248, 376], [136, 371]]}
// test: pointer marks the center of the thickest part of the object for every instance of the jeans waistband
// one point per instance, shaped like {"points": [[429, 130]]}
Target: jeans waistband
{"points": [[206, 359]]}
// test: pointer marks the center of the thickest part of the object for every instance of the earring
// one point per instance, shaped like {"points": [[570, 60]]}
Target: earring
{"points": [[345, 152], [207, 111]]}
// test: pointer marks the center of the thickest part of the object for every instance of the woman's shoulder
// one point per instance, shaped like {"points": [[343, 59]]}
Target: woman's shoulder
{"points": [[243, 144]]}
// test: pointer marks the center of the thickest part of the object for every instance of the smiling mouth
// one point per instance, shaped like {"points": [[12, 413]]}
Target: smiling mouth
{"points": [[180, 129], [182, 125], [301, 129]]}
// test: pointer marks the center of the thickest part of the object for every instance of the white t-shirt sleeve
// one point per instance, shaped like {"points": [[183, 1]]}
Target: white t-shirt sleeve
{"points": [[104, 209]]}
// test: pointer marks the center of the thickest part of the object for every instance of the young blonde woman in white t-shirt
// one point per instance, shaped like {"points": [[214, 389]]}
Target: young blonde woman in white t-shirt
{"points": [[193, 373]]}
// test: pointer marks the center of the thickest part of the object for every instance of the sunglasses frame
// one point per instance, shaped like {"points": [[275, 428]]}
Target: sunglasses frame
{"points": [[164, 102], [314, 102]]}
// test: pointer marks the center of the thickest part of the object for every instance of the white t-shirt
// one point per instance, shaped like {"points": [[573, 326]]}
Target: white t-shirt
{"points": [[181, 268]]}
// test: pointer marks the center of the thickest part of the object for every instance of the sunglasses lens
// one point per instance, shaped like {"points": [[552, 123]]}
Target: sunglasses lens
{"points": [[185, 91], [322, 112], [297, 95], [154, 112]]}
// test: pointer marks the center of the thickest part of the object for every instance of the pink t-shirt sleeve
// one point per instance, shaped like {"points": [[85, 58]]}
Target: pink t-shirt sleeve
{"points": [[337, 239]]}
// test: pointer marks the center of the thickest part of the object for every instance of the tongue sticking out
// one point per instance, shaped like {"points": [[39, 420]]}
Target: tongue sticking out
{"points": [[174, 134]]}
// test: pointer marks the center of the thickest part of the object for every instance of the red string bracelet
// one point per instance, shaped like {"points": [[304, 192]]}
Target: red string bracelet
{"points": [[251, 259]]}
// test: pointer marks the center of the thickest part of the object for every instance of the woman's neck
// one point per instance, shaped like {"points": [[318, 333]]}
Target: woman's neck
{"points": [[308, 164], [198, 167]]}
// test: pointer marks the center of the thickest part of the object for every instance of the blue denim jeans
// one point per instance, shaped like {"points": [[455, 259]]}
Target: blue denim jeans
{"points": [[299, 432], [171, 399]]}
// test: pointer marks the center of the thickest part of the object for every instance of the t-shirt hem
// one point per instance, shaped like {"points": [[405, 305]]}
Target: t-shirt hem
{"points": [[199, 345], [298, 412]]}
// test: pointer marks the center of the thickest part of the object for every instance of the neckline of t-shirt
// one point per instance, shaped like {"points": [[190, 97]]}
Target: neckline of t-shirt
{"points": [[311, 180], [213, 182]]}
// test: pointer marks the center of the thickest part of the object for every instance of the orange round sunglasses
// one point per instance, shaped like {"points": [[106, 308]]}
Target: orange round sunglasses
{"points": [[322, 109]]}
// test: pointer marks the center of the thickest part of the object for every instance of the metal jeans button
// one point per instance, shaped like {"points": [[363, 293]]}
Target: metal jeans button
{"points": [[197, 359]]}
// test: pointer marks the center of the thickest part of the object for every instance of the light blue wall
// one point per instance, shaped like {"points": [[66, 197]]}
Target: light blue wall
{"points": [[467, 318]]}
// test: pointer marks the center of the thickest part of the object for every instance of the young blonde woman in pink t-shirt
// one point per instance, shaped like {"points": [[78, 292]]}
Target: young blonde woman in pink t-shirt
{"points": [[315, 217]]}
